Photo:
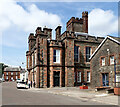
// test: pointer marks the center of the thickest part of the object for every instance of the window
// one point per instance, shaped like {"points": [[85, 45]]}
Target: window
{"points": [[35, 58], [76, 53], [118, 80], [16, 77], [79, 76], [111, 60], [16, 73], [118, 77], [32, 60], [56, 56], [6, 73], [42, 40], [74, 77], [42, 53], [88, 53], [11, 78], [88, 76], [7, 77], [11, 73], [28, 62], [103, 61]]}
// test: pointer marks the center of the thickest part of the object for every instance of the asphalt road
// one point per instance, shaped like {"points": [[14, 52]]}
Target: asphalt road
{"points": [[13, 96]]}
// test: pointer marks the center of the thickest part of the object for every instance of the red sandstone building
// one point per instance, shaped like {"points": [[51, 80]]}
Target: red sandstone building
{"points": [[65, 60], [11, 73]]}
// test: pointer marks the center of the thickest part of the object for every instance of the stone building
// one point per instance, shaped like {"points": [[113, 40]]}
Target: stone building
{"points": [[23, 75], [65, 60], [105, 63], [11, 73]]}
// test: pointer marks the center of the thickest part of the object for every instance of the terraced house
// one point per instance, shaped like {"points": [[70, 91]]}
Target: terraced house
{"points": [[65, 60], [11, 73]]}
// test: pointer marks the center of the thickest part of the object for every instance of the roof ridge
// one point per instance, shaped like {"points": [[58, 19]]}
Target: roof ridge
{"points": [[102, 44]]}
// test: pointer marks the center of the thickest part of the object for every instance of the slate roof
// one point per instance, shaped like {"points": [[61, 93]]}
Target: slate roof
{"points": [[12, 69], [114, 39]]}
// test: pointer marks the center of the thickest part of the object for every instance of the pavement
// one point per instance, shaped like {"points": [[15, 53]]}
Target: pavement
{"points": [[86, 94]]}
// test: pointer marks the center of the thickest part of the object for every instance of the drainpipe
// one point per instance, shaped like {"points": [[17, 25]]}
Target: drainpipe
{"points": [[115, 71], [33, 67]]}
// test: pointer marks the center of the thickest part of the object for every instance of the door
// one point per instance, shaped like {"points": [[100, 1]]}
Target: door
{"points": [[56, 78], [105, 79]]}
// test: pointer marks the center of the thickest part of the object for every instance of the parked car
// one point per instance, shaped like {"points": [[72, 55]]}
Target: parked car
{"points": [[22, 85], [18, 80], [2, 80], [13, 80]]}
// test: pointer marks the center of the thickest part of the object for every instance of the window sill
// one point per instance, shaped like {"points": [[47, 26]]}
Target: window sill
{"points": [[87, 62], [111, 64], [103, 65], [76, 62], [56, 62], [78, 82]]}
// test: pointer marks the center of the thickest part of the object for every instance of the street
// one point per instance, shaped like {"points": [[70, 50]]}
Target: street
{"points": [[13, 96]]}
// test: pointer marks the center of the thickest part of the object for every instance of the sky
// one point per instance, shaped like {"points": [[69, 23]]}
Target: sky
{"points": [[19, 19]]}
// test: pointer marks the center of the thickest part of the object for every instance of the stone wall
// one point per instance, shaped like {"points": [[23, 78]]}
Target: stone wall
{"points": [[107, 49]]}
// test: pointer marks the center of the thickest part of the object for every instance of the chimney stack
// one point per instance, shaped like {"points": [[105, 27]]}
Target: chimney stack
{"points": [[38, 30], [85, 21], [58, 32], [48, 31]]}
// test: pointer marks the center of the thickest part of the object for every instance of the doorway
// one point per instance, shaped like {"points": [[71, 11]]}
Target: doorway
{"points": [[105, 79], [56, 76]]}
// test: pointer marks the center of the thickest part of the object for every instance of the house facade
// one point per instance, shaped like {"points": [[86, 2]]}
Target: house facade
{"points": [[105, 64], [23, 75], [11, 73], [65, 60]]}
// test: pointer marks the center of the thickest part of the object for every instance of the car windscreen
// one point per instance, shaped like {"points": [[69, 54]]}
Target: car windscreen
{"points": [[21, 82]]}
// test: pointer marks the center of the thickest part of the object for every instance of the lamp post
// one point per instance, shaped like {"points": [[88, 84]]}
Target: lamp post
{"points": [[26, 75]]}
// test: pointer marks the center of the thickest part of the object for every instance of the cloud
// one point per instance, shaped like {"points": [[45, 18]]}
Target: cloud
{"points": [[13, 16], [12, 13], [68, 0], [102, 23]]}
